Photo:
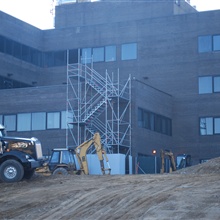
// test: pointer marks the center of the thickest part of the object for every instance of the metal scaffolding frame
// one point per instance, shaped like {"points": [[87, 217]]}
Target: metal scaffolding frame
{"points": [[97, 103]]}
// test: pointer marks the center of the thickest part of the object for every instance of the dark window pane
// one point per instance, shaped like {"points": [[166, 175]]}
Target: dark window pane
{"points": [[146, 120], [26, 53], [73, 56], [48, 58], [140, 117], [8, 46], [151, 122], [17, 50], [2, 44], [60, 58]]}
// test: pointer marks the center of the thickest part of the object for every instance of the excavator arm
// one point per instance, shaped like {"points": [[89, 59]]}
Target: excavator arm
{"points": [[81, 152], [171, 157]]}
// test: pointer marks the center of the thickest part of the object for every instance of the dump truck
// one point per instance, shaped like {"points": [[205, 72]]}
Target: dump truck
{"points": [[19, 157], [62, 160]]}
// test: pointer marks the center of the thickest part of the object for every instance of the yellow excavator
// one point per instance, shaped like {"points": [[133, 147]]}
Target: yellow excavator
{"points": [[169, 154], [62, 160]]}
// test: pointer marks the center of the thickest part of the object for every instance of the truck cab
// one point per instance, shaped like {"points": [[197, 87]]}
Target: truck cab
{"points": [[19, 157]]}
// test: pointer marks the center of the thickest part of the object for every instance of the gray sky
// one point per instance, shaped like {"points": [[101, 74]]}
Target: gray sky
{"points": [[39, 12]]}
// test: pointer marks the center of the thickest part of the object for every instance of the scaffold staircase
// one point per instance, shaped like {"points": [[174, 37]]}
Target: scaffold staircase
{"points": [[94, 104]]}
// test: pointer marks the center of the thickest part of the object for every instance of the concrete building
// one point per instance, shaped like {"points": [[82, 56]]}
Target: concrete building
{"points": [[164, 54]]}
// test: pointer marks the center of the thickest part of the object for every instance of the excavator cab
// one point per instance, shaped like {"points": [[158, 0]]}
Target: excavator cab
{"points": [[62, 161], [183, 160]]}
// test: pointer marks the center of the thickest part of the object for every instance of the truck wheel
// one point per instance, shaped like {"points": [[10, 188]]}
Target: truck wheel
{"points": [[11, 171], [60, 171], [28, 174]]}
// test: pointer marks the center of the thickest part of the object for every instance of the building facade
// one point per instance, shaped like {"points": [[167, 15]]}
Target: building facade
{"points": [[164, 53]]}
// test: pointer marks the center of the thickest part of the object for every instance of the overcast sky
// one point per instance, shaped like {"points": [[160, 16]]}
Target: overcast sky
{"points": [[39, 12]]}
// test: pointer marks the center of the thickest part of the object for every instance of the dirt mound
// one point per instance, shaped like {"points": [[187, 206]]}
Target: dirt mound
{"points": [[210, 167], [126, 197]]}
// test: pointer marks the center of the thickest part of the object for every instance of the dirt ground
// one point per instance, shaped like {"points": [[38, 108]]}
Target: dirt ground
{"points": [[191, 193]]}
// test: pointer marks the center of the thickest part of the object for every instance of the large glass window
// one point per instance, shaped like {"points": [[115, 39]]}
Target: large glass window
{"points": [[38, 121], [206, 126], [53, 120], [217, 84], [10, 122], [217, 125], [205, 84], [216, 42], [98, 54], [86, 55], [129, 51], [24, 122], [154, 122], [205, 43], [110, 53]]}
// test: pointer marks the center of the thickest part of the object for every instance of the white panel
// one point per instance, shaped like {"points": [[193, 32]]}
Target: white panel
{"points": [[130, 165], [116, 162]]}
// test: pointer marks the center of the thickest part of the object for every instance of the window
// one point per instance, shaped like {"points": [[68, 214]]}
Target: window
{"points": [[209, 84], [25, 53], [140, 117], [205, 85], [8, 46], [129, 51], [110, 53], [65, 157], [38, 121], [216, 84], [73, 56], [216, 42], [24, 122], [56, 157], [86, 55], [205, 44], [206, 126], [53, 120], [10, 122], [154, 122], [98, 54], [17, 50], [217, 125], [2, 44], [59, 58]]}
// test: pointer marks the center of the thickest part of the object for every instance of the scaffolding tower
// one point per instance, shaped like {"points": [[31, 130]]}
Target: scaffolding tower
{"points": [[97, 103]]}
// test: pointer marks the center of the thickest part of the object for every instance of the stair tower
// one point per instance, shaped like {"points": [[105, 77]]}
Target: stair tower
{"points": [[98, 103]]}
